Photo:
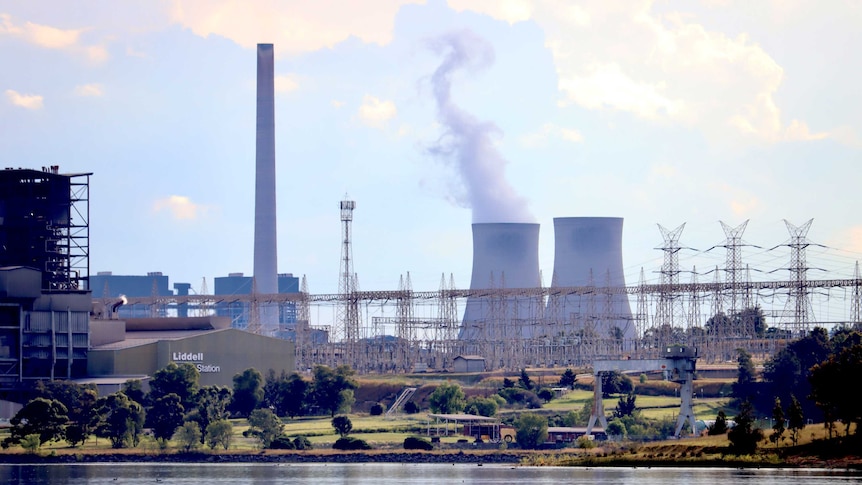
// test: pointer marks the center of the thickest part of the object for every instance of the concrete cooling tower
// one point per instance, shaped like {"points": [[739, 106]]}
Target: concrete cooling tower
{"points": [[505, 255], [588, 248]]}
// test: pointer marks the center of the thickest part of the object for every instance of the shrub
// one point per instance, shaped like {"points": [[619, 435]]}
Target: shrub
{"points": [[302, 443], [376, 409], [411, 408], [282, 443], [417, 443], [350, 443]]}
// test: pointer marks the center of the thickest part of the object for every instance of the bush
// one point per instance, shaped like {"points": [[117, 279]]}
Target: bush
{"points": [[351, 443], [282, 443], [411, 408], [417, 443], [376, 409], [302, 443]]}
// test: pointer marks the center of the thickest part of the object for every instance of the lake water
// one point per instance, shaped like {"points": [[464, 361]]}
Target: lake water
{"points": [[396, 473]]}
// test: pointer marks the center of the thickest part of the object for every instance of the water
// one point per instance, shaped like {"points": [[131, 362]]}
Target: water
{"points": [[396, 473]]}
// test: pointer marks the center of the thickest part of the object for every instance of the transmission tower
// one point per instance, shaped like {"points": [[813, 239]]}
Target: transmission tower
{"points": [[669, 304], [347, 324], [733, 269], [798, 304]]}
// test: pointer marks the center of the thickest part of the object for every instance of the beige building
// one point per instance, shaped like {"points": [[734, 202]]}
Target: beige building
{"points": [[136, 348]]}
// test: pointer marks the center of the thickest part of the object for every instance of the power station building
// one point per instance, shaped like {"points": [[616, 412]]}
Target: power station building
{"points": [[51, 327], [137, 348]]}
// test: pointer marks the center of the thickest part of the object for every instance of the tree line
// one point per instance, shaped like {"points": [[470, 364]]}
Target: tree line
{"points": [[176, 406]]}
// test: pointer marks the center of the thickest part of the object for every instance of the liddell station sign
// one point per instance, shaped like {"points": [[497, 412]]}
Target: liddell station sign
{"points": [[196, 359]]}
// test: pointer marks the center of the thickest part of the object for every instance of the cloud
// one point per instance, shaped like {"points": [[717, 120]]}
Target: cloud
{"points": [[89, 90], [28, 101], [659, 65], [294, 26], [510, 11], [375, 112], [336, 103], [548, 131], [49, 37], [286, 83], [181, 208]]}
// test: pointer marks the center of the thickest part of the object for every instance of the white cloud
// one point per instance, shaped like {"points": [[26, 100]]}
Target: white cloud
{"points": [[286, 83], [50, 37], [295, 26], [511, 11], [336, 103], [181, 208], [28, 101], [89, 90], [375, 112], [541, 136], [663, 67]]}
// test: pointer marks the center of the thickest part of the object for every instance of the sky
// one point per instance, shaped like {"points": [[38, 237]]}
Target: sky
{"points": [[435, 114]]}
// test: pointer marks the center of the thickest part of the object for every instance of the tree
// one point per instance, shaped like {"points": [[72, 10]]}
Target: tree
{"points": [[545, 394], [616, 428], [165, 417], [615, 382], [796, 419], [43, 417], [264, 425], [743, 388], [219, 433], [294, 394], [482, 406], [829, 381], [342, 425], [744, 436], [568, 379], [376, 409], [211, 404], [524, 380], [531, 430], [777, 422], [188, 435], [508, 383], [447, 398], [179, 379], [135, 390], [247, 392], [121, 420], [626, 405], [788, 371], [720, 425], [329, 385], [79, 399]]}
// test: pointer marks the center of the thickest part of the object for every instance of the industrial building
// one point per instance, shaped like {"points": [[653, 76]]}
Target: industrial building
{"points": [[239, 312], [44, 266], [137, 348]]}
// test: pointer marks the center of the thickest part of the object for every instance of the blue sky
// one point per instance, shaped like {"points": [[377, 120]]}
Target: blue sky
{"points": [[661, 112]]}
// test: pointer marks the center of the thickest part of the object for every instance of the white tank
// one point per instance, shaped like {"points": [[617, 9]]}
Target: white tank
{"points": [[585, 248], [505, 255]]}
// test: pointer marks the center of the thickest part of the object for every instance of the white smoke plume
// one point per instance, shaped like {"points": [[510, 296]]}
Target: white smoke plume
{"points": [[466, 142]]}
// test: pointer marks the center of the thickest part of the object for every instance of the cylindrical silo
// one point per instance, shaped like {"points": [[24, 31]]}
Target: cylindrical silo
{"points": [[588, 253], [505, 255]]}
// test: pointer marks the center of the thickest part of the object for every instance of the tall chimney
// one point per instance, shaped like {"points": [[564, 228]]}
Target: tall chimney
{"points": [[265, 249]]}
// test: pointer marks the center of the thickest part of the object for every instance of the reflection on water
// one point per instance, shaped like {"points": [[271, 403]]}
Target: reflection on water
{"points": [[395, 473]]}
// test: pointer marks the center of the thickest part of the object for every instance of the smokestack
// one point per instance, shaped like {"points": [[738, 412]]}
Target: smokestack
{"points": [[265, 249], [504, 255], [585, 245]]}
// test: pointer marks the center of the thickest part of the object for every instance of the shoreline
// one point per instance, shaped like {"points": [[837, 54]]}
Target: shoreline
{"points": [[519, 458]]}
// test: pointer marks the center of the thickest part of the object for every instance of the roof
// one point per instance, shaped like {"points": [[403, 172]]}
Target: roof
{"points": [[138, 338], [112, 380], [469, 357], [463, 417]]}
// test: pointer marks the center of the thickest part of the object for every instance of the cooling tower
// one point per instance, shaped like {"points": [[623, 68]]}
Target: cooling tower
{"points": [[265, 252], [505, 255], [588, 252]]}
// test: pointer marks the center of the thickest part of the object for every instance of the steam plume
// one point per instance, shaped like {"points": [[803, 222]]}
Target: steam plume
{"points": [[467, 142]]}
